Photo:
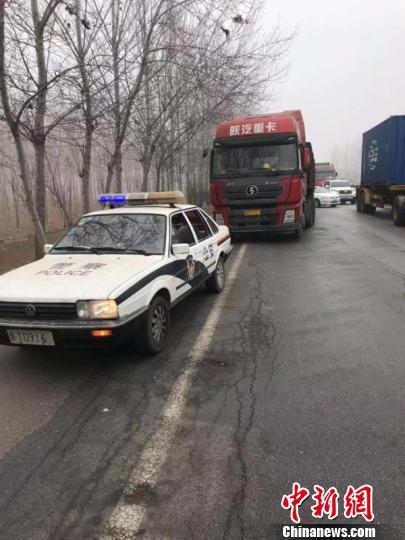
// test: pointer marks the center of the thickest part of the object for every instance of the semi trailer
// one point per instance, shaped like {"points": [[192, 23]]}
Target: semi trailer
{"points": [[383, 169], [263, 174]]}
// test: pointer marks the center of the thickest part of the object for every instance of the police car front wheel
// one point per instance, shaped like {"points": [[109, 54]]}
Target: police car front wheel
{"points": [[216, 282], [154, 329]]}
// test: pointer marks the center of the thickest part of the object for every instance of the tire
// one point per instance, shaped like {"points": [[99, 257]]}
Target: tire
{"points": [[398, 212], [216, 283], [317, 203], [364, 208], [359, 203], [299, 233], [154, 328]]}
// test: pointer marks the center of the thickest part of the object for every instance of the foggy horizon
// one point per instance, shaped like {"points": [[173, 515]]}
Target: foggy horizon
{"points": [[343, 71]]}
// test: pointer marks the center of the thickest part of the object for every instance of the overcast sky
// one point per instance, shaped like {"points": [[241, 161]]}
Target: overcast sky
{"points": [[347, 68]]}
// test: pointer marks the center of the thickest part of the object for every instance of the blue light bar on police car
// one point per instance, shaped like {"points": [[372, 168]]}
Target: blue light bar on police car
{"points": [[112, 198]]}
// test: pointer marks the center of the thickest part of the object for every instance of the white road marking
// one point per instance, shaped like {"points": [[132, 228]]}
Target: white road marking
{"points": [[126, 519]]}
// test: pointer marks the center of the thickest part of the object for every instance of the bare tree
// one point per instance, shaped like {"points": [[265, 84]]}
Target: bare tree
{"points": [[80, 39], [14, 122]]}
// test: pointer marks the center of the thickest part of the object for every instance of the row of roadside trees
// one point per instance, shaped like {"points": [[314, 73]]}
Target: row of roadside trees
{"points": [[110, 95]]}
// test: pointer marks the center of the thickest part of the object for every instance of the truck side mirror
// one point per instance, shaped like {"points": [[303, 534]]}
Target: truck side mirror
{"points": [[306, 158]]}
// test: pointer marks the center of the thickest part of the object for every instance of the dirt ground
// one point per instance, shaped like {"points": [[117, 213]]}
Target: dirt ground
{"points": [[17, 244], [17, 253], [9, 230]]}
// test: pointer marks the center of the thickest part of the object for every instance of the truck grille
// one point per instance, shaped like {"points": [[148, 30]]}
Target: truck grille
{"points": [[22, 310], [269, 191]]}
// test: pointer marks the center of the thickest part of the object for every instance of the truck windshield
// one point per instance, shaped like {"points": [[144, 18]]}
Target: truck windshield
{"points": [[115, 233], [253, 159]]}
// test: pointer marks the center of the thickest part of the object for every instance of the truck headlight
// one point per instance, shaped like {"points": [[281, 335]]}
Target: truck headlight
{"points": [[289, 216], [97, 309]]}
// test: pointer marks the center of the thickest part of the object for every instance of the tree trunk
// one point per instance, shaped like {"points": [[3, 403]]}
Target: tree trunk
{"points": [[88, 115], [22, 162], [39, 136], [15, 200], [40, 191], [110, 171], [145, 174], [85, 173], [118, 171]]}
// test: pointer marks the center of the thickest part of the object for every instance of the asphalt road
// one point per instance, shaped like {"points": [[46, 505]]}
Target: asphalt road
{"points": [[301, 379]]}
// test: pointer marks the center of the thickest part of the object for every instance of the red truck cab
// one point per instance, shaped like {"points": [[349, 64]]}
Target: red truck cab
{"points": [[324, 173], [263, 174]]}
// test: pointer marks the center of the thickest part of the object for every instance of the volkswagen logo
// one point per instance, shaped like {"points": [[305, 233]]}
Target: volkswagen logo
{"points": [[30, 310], [252, 190]]}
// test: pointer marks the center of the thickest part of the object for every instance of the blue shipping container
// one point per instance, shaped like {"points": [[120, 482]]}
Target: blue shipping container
{"points": [[383, 156]]}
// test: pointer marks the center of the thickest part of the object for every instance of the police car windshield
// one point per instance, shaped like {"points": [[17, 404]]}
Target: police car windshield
{"points": [[121, 233], [264, 158]]}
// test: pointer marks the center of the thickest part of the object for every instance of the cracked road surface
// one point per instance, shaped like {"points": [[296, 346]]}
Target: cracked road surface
{"points": [[303, 380]]}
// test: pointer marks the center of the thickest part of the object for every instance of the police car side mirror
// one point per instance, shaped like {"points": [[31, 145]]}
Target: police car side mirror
{"points": [[47, 248], [181, 249]]}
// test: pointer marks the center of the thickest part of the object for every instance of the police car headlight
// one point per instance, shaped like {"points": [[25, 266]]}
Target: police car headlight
{"points": [[97, 309]]}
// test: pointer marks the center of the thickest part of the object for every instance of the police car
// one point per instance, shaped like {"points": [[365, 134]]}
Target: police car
{"points": [[114, 275]]}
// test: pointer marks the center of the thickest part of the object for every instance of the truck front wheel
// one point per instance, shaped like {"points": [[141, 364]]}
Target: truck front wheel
{"points": [[398, 211], [298, 233]]}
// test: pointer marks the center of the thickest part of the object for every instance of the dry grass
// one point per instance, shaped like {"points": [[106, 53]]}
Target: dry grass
{"points": [[14, 254]]}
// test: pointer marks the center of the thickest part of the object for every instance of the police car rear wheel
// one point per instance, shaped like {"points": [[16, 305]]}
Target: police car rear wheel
{"points": [[155, 327], [216, 282]]}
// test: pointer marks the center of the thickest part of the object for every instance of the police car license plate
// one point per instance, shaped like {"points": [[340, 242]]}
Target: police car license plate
{"points": [[30, 337], [252, 212]]}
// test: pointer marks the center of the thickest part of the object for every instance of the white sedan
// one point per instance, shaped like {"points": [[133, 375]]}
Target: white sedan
{"points": [[326, 197], [114, 275]]}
